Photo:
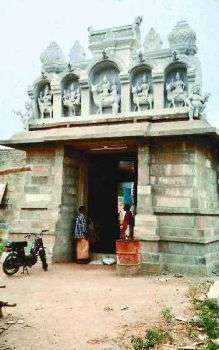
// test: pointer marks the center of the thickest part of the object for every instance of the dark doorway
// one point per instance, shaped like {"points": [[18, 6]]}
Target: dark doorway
{"points": [[107, 175]]}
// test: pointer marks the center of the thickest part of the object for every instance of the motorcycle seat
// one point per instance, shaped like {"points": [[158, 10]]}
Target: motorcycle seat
{"points": [[17, 244]]}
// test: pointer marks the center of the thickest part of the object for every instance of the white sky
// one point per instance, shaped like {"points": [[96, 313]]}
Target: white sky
{"points": [[28, 26]]}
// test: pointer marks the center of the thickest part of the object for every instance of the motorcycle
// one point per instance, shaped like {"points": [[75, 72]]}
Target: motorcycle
{"points": [[17, 257]]}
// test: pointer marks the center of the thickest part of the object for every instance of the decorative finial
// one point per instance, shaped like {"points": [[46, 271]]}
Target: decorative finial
{"points": [[141, 57], [69, 66], [77, 53], [175, 55], [104, 55], [53, 59], [43, 75], [90, 29], [152, 41], [183, 38], [138, 20]]}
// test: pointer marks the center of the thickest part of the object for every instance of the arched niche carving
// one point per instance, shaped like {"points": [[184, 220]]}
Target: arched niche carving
{"points": [[44, 99], [105, 88], [176, 85], [141, 88], [71, 95]]}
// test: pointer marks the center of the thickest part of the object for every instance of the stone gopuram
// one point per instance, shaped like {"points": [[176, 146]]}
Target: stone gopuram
{"points": [[132, 113]]}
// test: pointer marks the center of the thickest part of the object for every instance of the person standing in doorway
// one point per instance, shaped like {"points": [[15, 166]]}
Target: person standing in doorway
{"points": [[81, 237], [126, 228]]}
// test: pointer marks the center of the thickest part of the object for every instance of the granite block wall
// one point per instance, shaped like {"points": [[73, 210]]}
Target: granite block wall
{"points": [[183, 175], [14, 190]]}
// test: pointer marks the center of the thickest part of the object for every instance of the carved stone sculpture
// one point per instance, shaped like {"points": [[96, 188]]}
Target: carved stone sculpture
{"points": [[72, 99], [105, 94], [45, 102], [196, 102], [183, 38], [152, 41], [26, 115], [176, 92], [53, 59], [142, 94]]}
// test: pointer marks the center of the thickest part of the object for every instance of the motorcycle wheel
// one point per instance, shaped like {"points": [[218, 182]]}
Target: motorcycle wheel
{"points": [[10, 265]]}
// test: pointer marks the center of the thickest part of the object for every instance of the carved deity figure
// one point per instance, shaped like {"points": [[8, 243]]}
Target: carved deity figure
{"points": [[45, 102], [106, 94], [196, 102], [25, 115], [142, 94], [176, 92], [72, 99]]}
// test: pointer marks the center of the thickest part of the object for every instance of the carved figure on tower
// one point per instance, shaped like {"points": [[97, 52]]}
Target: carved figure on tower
{"points": [[45, 102], [142, 94], [72, 99], [106, 94], [176, 92], [196, 102]]}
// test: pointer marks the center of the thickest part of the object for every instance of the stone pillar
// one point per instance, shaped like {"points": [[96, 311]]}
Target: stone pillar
{"points": [[125, 94], [33, 98], [191, 79], [57, 99], [158, 90], [145, 220], [85, 98], [61, 248]]}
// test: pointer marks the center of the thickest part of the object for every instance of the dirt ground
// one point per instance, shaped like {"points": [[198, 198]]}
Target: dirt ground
{"points": [[78, 307]]}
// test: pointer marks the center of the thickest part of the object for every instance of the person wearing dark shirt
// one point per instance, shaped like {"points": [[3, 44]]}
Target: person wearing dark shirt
{"points": [[81, 236]]}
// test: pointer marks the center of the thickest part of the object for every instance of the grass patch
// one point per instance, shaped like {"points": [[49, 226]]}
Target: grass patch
{"points": [[211, 346], [152, 337], [2, 246], [208, 313], [202, 329], [198, 289], [167, 315]]}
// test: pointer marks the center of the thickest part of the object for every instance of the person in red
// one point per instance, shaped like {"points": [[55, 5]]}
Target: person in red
{"points": [[126, 228]]}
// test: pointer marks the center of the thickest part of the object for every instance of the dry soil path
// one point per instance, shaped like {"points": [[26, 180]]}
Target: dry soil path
{"points": [[75, 307]]}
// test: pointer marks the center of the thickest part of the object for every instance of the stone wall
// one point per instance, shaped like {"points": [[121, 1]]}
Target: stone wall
{"points": [[178, 215], [14, 190], [45, 198], [183, 175], [33, 197], [172, 174], [69, 187]]}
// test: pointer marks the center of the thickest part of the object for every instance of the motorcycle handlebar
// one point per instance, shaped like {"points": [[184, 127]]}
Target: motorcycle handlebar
{"points": [[35, 234]]}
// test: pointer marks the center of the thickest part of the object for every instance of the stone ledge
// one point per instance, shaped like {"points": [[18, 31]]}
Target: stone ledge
{"points": [[199, 270], [152, 238], [197, 240], [151, 268], [189, 211], [150, 115], [35, 205]]}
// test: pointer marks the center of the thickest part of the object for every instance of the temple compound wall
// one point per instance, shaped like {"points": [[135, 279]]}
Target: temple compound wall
{"points": [[128, 98]]}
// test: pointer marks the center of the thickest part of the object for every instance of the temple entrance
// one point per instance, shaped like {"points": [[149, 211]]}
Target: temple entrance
{"points": [[112, 182]]}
